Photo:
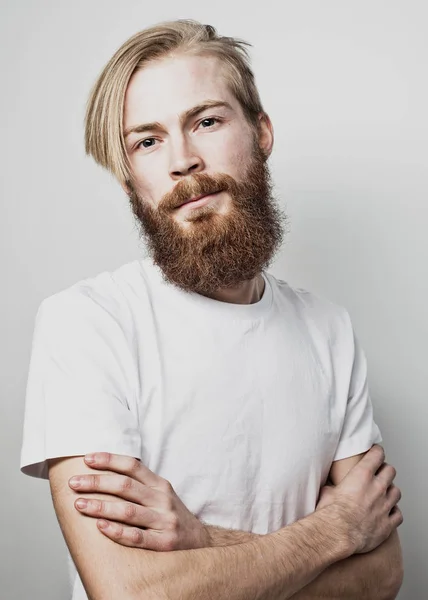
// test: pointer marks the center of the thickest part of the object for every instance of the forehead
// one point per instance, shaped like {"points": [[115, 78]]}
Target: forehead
{"points": [[165, 88]]}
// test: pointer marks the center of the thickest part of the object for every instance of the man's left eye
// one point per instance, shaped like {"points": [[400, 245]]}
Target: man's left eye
{"points": [[208, 122]]}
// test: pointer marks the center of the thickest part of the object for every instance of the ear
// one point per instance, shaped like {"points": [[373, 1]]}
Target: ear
{"points": [[265, 134], [126, 186]]}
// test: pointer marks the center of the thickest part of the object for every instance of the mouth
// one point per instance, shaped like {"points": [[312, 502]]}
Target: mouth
{"points": [[198, 200]]}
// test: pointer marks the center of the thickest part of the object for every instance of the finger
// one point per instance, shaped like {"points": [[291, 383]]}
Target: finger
{"points": [[393, 495], [123, 512], [386, 473], [118, 485], [127, 465], [396, 517], [372, 460], [134, 537]]}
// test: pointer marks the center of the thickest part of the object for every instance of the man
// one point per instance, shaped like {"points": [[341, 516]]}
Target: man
{"points": [[215, 400]]}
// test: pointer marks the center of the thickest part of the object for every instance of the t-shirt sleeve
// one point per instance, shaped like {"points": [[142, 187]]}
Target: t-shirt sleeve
{"points": [[81, 393], [359, 431]]}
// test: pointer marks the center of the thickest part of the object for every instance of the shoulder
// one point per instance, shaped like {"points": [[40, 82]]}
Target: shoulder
{"points": [[310, 309], [103, 287], [104, 294]]}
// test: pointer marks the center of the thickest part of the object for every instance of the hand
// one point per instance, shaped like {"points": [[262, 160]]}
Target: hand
{"points": [[148, 515], [368, 500]]}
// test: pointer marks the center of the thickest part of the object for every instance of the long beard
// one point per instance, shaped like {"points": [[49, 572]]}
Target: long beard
{"points": [[214, 251]]}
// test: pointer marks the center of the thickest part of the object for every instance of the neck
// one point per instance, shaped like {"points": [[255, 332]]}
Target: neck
{"points": [[247, 292]]}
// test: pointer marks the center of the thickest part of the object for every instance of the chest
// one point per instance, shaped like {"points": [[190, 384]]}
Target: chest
{"points": [[243, 413]]}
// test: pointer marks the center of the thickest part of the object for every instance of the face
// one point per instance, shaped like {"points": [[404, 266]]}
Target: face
{"points": [[186, 137]]}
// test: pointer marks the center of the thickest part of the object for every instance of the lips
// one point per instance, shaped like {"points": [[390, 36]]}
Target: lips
{"points": [[195, 198], [199, 197]]}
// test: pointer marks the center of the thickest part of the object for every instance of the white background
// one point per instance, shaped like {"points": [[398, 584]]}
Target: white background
{"points": [[345, 84]]}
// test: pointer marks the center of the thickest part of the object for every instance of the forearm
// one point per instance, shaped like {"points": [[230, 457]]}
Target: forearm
{"points": [[271, 567], [228, 537], [376, 575]]}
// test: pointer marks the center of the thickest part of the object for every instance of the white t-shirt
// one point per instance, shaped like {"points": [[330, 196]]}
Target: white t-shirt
{"points": [[243, 408]]}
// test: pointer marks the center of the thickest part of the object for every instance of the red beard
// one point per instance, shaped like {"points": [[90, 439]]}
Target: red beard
{"points": [[215, 251]]}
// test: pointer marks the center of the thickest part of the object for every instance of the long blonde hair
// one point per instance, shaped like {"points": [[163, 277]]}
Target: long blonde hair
{"points": [[104, 139]]}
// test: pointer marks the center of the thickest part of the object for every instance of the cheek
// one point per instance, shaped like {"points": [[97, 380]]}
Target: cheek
{"points": [[150, 184], [235, 160], [236, 152]]}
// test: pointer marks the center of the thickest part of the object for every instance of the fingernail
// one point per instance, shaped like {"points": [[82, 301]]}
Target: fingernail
{"points": [[81, 503], [90, 458], [102, 524], [74, 482]]}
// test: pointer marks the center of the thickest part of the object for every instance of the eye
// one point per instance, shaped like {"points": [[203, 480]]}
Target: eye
{"points": [[209, 122], [146, 143]]}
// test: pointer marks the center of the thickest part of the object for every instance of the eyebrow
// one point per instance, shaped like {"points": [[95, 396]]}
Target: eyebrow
{"points": [[188, 114]]}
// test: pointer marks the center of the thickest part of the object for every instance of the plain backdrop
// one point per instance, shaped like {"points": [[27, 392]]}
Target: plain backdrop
{"points": [[345, 84]]}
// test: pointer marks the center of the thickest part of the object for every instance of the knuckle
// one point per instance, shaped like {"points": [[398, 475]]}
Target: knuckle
{"points": [[395, 493], [129, 465], [384, 468], [381, 453], [169, 543], [165, 486], [118, 532], [134, 465], [168, 504], [388, 471], [98, 506], [173, 521], [136, 536], [127, 484], [130, 511], [398, 517], [94, 481], [104, 457]]}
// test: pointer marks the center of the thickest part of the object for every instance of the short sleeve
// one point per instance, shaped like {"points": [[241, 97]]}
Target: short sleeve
{"points": [[80, 394], [359, 431]]}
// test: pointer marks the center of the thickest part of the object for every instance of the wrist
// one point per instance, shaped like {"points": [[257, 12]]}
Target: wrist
{"points": [[329, 533], [207, 540], [337, 517]]}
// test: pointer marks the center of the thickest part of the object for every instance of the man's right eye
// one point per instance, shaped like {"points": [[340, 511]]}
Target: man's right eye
{"points": [[146, 143]]}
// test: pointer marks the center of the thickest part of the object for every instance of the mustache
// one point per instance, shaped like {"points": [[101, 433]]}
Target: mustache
{"points": [[199, 184]]}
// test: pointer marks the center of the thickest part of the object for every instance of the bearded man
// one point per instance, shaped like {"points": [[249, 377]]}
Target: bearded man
{"points": [[189, 408]]}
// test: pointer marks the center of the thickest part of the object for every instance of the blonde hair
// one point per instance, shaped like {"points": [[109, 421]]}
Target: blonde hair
{"points": [[104, 139]]}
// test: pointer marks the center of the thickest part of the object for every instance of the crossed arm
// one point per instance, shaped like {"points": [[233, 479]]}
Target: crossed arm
{"points": [[332, 575], [372, 576], [376, 575]]}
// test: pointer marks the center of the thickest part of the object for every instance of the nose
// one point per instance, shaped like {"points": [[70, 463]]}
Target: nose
{"points": [[184, 160]]}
